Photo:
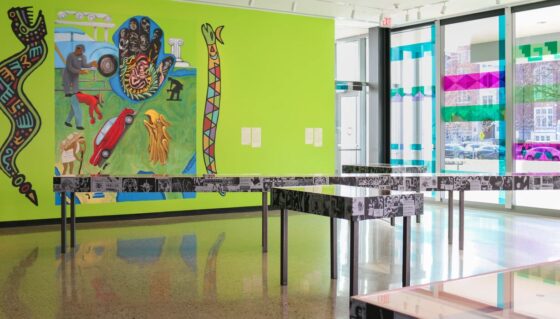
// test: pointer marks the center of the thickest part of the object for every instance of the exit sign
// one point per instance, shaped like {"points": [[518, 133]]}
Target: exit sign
{"points": [[386, 22]]}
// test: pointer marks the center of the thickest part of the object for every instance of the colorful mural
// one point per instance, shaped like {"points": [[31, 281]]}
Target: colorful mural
{"points": [[143, 67], [115, 83], [25, 121], [213, 96]]}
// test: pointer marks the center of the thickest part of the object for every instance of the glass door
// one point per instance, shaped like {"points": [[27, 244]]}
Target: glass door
{"points": [[351, 102], [349, 130]]}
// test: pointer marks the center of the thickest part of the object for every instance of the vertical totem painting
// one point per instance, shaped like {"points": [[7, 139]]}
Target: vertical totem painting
{"points": [[213, 96], [139, 103], [24, 119]]}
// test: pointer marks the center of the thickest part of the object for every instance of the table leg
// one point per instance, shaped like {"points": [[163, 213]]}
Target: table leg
{"points": [[418, 217], [283, 246], [264, 275], [354, 251], [461, 219], [72, 220], [406, 252], [63, 222], [334, 254], [264, 222], [450, 218]]}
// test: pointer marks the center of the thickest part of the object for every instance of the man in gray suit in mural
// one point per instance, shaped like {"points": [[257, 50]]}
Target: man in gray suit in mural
{"points": [[75, 64]]}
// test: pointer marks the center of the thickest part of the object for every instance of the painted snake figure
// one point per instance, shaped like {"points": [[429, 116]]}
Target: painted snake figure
{"points": [[24, 119], [213, 95]]}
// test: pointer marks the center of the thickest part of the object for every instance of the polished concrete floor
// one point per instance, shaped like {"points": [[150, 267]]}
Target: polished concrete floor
{"points": [[212, 266]]}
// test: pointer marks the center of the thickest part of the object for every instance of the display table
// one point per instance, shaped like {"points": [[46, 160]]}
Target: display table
{"points": [[454, 183], [67, 186], [380, 168], [350, 203], [532, 292]]}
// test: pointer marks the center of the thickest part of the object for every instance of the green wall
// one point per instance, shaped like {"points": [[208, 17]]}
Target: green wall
{"points": [[277, 74]]}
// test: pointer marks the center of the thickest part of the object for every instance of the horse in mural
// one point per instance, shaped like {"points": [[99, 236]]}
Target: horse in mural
{"points": [[25, 121]]}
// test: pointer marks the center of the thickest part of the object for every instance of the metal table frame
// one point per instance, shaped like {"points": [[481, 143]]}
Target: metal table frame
{"points": [[72, 204], [354, 249]]}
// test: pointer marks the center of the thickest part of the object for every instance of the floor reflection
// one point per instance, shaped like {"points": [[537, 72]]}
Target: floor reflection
{"points": [[212, 266], [12, 304]]}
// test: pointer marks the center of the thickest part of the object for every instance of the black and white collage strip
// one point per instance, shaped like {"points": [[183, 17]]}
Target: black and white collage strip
{"points": [[357, 169], [260, 184], [180, 184], [355, 208]]}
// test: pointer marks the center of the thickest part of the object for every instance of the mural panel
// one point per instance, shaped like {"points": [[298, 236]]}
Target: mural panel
{"points": [[139, 103]]}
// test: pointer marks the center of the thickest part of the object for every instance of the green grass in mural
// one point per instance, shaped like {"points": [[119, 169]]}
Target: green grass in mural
{"points": [[131, 153]]}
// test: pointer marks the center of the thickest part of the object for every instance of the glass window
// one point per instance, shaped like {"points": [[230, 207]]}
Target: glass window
{"points": [[348, 61], [413, 97], [474, 100], [537, 99]]}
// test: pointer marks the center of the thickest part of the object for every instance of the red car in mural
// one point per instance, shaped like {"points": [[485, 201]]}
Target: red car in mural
{"points": [[109, 135]]}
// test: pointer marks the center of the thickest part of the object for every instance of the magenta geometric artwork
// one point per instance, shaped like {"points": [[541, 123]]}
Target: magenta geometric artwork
{"points": [[535, 151], [474, 81]]}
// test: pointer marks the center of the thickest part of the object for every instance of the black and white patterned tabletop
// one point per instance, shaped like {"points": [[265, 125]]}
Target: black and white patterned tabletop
{"points": [[180, 183], [397, 182], [348, 202], [383, 169]]}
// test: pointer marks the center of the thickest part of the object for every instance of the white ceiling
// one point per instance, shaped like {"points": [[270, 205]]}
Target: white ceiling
{"points": [[355, 16]]}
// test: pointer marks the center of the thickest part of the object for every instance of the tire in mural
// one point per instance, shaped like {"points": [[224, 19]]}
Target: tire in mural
{"points": [[25, 121]]}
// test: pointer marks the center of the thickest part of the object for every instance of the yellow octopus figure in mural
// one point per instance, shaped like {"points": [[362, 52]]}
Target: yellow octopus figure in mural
{"points": [[159, 138]]}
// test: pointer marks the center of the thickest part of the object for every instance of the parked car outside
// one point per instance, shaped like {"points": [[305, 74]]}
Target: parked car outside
{"points": [[490, 152], [543, 153], [454, 151], [470, 152]]}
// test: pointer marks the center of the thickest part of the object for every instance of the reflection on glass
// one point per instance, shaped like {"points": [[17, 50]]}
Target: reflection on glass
{"points": [[528, 293], [474, 99], [537, 92], [413, 97]]}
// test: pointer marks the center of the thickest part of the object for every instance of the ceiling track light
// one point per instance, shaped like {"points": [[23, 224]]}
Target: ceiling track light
{"points": [[353, 14], [381, 16], [407, 16], [443, 8], [294, 6], [419, 13], [498, 1], [251, 3]]}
